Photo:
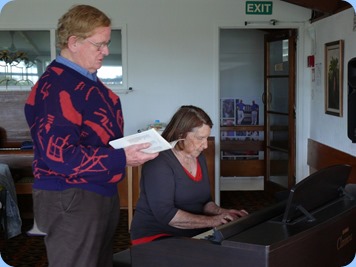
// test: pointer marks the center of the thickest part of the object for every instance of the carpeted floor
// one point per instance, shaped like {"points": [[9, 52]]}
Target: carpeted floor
{"points": [[26, 251], [29, 251]]}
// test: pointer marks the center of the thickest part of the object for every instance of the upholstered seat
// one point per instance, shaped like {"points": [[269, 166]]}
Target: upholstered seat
{"points": [[122, 258]]}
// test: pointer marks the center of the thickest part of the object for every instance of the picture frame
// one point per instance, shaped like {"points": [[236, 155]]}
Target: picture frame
{"points": [[334, 69]]}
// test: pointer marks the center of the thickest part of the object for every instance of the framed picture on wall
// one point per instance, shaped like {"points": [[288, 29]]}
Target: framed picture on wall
{"points": [[334, 63]]}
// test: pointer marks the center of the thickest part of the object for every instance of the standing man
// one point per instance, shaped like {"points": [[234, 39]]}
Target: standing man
{"points": [[254, 113], [72, 116], [240, 111]]}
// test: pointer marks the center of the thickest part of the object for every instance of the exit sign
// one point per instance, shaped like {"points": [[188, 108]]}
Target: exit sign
{"points": [[259, 7]]}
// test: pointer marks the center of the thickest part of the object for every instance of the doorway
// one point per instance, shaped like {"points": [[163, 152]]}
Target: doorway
{"points": [[243, 132]]}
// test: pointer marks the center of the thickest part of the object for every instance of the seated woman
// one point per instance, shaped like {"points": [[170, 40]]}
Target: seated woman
{"points": [[175, 197]]}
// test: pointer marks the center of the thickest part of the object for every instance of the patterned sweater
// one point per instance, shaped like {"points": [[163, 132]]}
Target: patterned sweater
{"points": [[72, 119]]}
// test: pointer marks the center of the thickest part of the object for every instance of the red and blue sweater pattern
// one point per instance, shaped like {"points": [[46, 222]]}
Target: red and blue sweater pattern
{"points": [[71, 120]]}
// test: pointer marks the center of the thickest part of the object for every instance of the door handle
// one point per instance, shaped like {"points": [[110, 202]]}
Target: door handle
{"points": [[267, 99]]}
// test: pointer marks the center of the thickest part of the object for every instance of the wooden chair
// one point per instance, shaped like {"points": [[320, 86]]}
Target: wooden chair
{"points": [[23, 186], [122, 258]]}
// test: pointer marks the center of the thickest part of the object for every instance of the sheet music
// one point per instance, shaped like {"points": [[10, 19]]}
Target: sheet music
{"points": [[158, 143]]}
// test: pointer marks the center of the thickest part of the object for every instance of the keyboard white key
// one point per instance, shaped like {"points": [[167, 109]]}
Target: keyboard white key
{"points": [[204, 235]]}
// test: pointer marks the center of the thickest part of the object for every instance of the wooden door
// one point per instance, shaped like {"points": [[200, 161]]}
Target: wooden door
{"points": [[279, 103]]}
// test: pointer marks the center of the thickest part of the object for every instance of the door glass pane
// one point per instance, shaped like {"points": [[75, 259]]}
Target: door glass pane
{"points": [[279, 167], [278, 58], [278, 146], [278, 132], [278, 94]]}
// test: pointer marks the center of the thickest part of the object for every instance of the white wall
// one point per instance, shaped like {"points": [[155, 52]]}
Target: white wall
{"points": [[173, 52], [327, 129]]}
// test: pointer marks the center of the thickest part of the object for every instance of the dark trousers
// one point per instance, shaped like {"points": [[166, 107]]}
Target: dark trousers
{"points": [[80, 226]]}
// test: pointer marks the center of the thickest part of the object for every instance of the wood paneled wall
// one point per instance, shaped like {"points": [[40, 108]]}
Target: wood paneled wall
{"points": [[13, 125], [321, 156]]}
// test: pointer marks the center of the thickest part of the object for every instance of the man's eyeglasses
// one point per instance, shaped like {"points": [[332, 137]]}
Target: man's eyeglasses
{"points": [[100, 46]]}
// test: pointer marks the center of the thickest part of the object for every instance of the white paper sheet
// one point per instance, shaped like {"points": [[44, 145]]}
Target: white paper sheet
{"points": [[158, 143]]}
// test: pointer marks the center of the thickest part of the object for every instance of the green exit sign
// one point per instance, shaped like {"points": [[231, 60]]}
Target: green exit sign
{"points": [[259, 7]]}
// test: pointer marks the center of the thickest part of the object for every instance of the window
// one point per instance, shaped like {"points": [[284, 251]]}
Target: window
{"points": [[25, 54], [111, 71], [285, 49]]}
